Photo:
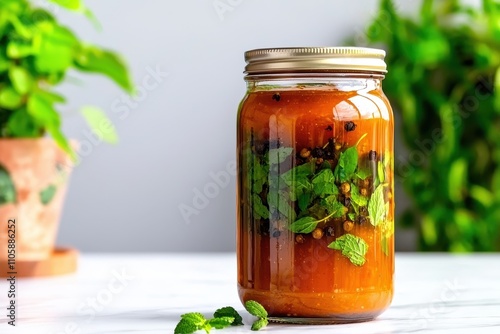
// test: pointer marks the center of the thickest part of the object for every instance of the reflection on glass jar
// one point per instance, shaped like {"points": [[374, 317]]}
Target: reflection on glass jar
{"points": [[315, 185]]}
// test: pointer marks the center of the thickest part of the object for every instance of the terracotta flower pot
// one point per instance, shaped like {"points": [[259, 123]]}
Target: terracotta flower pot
{"points": [[33, 178]]}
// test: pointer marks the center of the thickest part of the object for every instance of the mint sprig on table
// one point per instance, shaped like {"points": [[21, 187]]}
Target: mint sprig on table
{"points": [[223, 317]]}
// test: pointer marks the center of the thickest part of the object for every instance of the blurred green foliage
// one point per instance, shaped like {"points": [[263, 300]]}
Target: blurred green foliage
{"points": [[36, 53], [444, 80]]}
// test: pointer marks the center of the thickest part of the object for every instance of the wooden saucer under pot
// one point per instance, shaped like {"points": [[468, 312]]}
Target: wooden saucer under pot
{"points": [[63, 261]]}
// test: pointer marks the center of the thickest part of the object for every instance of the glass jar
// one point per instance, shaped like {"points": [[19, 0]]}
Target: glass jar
{"points": [[315, 204]]}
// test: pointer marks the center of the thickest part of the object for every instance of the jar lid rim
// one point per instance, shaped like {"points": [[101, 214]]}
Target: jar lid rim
{"points": [[315, 59]]}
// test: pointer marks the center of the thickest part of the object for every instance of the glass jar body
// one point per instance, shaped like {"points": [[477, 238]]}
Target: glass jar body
{"points": [[315, 206]]}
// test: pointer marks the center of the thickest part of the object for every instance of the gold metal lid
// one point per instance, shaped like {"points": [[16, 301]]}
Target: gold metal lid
{"points": [[314, 59]]}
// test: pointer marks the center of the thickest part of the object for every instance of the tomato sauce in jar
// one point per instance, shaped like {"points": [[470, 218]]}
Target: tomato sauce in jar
{"points": [[315, 204]]}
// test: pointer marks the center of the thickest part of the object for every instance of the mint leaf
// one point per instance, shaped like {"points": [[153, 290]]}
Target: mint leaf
{"points": [[259, 209], [356, 197], [348, 162], [220, 322], [259, 324], [185, 327], [318, 211], [323, 183], [304, 201], [301, 171], [352, 216], [376, 206], [278, 155], [333, 206], [229, 312], [352, 247], [303, 225], [256, 309], [300, 186]]}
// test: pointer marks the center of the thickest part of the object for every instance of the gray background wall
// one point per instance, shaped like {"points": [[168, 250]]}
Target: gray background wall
{"points": [[182, 126]]}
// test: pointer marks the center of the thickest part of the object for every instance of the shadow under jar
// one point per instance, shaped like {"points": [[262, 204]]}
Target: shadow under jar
{"points": [[315, 205]]}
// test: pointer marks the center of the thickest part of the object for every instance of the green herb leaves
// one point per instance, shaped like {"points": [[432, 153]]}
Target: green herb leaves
{"points": [[347, 164], [223, 317], [352, 247], [192, 322], [328, 188], [38, 52], [257, 310], [377, 208], [323, 183]]}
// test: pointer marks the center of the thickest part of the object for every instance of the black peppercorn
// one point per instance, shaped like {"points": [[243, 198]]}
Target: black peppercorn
{"points": [[264, 228], [276, 233], [277, 97], [350, 126], [329, 128], [362, 220], [363, 211], [372, 155], [318, 152]]}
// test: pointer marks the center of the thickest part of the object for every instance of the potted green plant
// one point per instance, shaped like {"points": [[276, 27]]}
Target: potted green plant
{"points": [[36, 52], [444, 81]]}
